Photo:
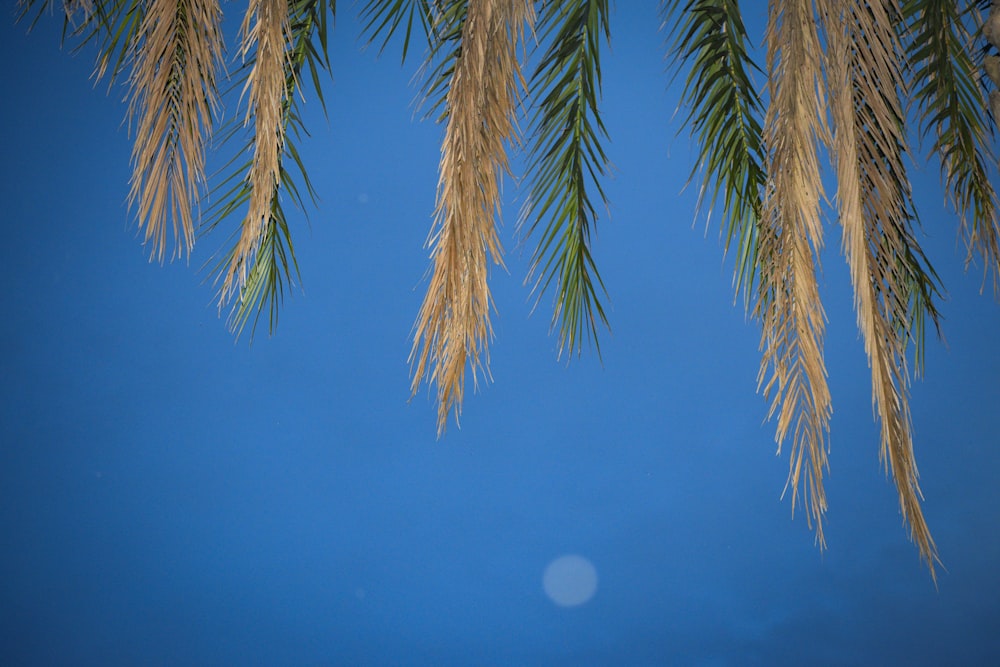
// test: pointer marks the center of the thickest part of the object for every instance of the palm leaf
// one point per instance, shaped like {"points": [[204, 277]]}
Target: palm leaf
{"points": [[566, 163], [446, 28], [382, 18], [876, 213], [174, 48], [483, 85], [790, 239], [258, 269], [266, 32], [173, 95], [725, 118], [944, 84], [114, 24]]}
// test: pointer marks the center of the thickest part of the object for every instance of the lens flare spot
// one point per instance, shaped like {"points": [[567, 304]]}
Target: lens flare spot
{"points": [[570, 580]]}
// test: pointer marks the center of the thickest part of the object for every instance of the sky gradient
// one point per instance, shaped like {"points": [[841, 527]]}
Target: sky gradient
{"points": [[169, 497]]}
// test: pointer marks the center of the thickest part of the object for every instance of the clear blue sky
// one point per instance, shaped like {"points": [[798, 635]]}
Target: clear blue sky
{"points": [[168, 497]]}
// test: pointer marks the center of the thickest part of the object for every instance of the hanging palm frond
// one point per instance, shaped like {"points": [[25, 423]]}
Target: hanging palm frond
{"points": [[381, 19], [266, 32], [174, 96], [725, 118], [944, 83], [483, 78], [790, 239], [174, 48], [876, 214], [260, 266], [566, 160]]}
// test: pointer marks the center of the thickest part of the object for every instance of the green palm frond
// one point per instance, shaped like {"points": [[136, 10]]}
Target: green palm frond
{"points": [[725, 117], [790, 240], [381, 19], [261, 264], [566, 163], [116, 25], [944, 80], [876, 213]]}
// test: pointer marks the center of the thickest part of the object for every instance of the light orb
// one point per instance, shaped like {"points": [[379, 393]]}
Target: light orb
{"points": [[570, 580]]}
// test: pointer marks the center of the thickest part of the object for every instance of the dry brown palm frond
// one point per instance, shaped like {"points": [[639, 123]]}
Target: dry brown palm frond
{"points": [[173, 94], [266, 31], [791, 236], [453, 326], [981, 230], [73, 8], [873, 196]]}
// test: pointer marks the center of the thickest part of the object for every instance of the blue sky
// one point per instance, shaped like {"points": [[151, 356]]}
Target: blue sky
{"points": [[172, 498]]}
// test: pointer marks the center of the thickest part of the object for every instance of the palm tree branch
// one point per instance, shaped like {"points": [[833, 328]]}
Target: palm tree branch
{"points": [[566, 164], [261, 265], [876, 212], [792, 371], [173, 95], [115, 24], [725, 117], [483, 93], [444, 53], [944, 84], [382, 18]]}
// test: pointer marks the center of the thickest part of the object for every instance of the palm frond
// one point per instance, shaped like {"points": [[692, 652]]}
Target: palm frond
{"points": [[174, 48], [270, 275], [74, 12], [865, 63], [566, 164], [382, 18], [266, 32], [944, 83], [790, 239], [725, 117], [78, 7], [115, 25], [446, 46], [923, 287], [173, 95], [261, 264], [483, 91]]}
